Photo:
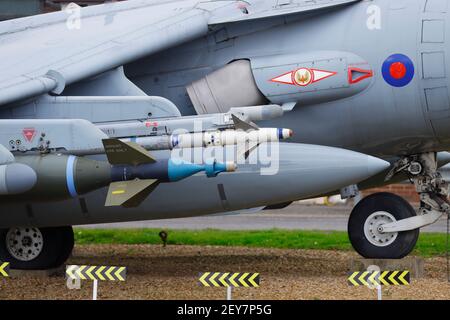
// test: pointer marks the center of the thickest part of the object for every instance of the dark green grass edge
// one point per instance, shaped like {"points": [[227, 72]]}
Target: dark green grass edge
{"points": [[429, 244]]}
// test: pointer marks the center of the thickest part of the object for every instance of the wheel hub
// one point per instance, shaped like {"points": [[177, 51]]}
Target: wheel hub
{"points": [[373, 229], [24, 244]]}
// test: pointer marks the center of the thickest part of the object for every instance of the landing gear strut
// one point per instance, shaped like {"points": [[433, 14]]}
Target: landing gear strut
{"points": [[385, 226], [30, 248]]}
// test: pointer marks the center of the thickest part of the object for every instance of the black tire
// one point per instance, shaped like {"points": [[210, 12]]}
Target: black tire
{"points": [[57, 246], [397, 207]]}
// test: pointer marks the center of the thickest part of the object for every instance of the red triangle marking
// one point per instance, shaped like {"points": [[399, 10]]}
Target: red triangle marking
{"points": [[29, 134], [365, 74]]}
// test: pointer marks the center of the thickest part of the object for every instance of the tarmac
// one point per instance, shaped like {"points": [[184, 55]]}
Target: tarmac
{"points": [[298, 216]]}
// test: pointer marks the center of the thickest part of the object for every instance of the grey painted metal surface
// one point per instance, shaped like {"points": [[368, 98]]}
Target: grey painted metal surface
{"points": [[16, 178], [335, 88], [274, 8], [231, 86], [50, 134], [413, 118], [325, 56], [101, 44], [294, 217], [304, 170], [94, 108]]}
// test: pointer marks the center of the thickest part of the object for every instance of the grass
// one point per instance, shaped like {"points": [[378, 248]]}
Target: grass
{"points": [[429, 244]]}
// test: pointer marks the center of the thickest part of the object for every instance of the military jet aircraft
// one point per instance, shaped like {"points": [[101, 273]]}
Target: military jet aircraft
{"points": [[92, 101]]}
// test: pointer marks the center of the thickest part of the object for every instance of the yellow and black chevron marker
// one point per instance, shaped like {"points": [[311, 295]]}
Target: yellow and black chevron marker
{"points": [[4, 269], [376, 278], [102, 273], [227, 279]]}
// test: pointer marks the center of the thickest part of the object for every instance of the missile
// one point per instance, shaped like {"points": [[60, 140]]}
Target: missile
{"points": [[216, 121], [212, 138], [169, 170], [164, 138], [131, 174], [135, 174]]}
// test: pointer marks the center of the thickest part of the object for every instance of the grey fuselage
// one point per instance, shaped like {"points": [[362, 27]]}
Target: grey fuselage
{"points": [[380, 120], [368, 114]]}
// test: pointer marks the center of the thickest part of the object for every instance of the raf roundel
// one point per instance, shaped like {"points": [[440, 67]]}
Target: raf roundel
{"points": [[398, 70]]}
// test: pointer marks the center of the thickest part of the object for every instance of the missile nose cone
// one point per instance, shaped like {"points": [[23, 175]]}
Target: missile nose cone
{"points": [[376, 165], [285, 133], [290, 133]]}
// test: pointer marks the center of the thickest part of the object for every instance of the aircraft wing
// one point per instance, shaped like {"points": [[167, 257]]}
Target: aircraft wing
{"points": [[257, 9], [45, 53]]}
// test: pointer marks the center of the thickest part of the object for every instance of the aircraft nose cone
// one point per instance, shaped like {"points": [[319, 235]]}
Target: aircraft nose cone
{"points": [[376, 165]]}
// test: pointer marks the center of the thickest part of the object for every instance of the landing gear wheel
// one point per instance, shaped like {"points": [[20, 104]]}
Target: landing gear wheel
{"points": [[30, 248], [369, 214]]}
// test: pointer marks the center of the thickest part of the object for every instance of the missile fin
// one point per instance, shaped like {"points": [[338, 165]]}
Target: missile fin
{"points": [[129, 193], [119, 152], [244, 149], [243, 125]]}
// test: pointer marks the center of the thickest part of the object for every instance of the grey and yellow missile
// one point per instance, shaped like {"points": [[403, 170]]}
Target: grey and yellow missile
{"points": [[131, 173]]}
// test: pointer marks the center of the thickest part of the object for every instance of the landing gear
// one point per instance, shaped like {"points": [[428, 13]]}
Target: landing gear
{"points": [[365, 227], [385, 226], [30, 248]]}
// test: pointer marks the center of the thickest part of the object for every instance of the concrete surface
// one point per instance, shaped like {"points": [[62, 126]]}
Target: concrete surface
{"points": [[295, 217]]}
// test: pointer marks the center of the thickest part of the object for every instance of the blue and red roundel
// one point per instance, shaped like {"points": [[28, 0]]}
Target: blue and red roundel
{"points": [[398, 70]]}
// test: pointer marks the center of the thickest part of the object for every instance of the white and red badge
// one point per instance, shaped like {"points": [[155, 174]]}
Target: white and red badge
{"points": [[303, 77], [29, 134]]}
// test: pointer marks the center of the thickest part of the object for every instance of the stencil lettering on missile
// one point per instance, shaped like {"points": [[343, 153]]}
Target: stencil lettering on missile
{"points": [[374, 17], [303, 77]]}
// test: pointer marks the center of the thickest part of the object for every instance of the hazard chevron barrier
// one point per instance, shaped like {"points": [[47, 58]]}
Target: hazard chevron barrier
{"points": [[4, 269], [218, 279], [103, 273], [379, 278]]}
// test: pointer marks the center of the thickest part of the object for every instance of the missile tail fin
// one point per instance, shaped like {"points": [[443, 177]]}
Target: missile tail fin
{"points": [[129, 194], [244, 149], [119, 152], [243, 125]]}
